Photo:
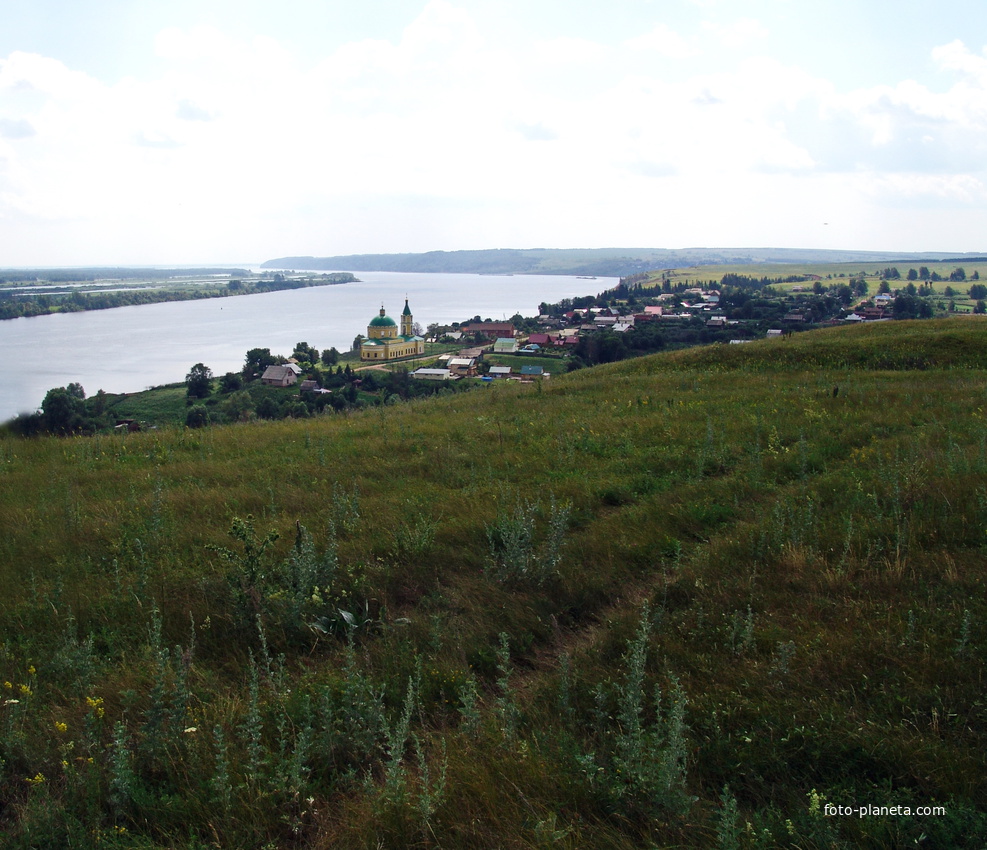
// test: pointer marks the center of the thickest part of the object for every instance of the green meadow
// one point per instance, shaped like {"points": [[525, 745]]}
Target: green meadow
{"points": [[696, 599]]}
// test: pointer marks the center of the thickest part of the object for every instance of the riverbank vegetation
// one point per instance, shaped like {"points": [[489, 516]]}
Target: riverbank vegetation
{"points": [[38, 293], [691, 599]]}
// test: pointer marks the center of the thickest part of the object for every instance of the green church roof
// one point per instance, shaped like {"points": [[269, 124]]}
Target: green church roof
{"points": [[382, 321]]}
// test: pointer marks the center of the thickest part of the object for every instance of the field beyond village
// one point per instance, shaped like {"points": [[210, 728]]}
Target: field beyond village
{"points": [[701, 598]]}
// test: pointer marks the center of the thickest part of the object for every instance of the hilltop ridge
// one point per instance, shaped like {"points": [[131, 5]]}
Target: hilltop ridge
{"points": [[605, 262]]}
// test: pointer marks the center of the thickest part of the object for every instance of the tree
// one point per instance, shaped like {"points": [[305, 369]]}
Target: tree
{"points": [[258, 359], [64, 410], [884, 287], [911, 307], [305, 353], [267, 408], [912, 274], [330, 357], [197, 416], [978, 291], [231, 382], [239, 407], [958, 274], [199, 381]]}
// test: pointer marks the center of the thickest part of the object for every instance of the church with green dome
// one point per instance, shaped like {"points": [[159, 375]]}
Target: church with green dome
{"points": [[385, 341]]}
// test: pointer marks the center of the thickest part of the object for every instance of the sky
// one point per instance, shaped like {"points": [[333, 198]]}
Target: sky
{"points": [[235, 131]]}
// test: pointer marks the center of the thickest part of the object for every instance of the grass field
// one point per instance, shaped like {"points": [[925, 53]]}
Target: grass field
{"points": [[552, 365], [158, 405], [688, 600], [829, 272]]}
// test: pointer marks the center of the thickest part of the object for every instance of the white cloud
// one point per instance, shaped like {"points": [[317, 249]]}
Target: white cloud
{"points": [[737, 34], [16, 128], [664, 41], [234, 147]]}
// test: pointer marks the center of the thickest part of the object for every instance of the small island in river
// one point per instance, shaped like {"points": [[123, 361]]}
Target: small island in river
{"points": [[34, 292]]}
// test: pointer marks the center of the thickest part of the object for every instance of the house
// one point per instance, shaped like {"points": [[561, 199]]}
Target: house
{"points": [[567, 338], [532, 372], [279, 376], [872, 314], [462, 366], [433, 374], [538, 339], [475, 353], [775, 333], [505, 345], [491, 330], [499, 372]]}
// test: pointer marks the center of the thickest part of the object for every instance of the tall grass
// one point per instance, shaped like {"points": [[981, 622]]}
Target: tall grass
{"points": [[208, 637]]}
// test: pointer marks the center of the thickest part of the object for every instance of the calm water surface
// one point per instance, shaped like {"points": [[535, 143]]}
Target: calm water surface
{"points": [[131, 348]]}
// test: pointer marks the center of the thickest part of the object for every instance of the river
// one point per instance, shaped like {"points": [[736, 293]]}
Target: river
{"points": [[128, 349]]}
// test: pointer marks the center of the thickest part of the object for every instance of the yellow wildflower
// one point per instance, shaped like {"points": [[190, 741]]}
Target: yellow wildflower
{"points": [[37, 779], [61, 727], [31, 671], [25, 690]]}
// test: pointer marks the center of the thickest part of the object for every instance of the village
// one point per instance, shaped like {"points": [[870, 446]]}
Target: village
{"points": [[628, 321], [396, 360]]}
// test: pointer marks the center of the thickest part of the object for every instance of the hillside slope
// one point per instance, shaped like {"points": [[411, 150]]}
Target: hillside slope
{"points": [[686, 600]]}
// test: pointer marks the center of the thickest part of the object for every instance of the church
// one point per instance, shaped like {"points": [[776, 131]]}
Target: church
{"points": [[384, 342]]}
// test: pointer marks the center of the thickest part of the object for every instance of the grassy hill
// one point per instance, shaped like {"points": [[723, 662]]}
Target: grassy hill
{"points": [[688, 600]]}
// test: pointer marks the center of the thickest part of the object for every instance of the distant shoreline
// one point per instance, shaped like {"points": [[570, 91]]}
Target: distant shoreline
{"points": [[26, 297]]}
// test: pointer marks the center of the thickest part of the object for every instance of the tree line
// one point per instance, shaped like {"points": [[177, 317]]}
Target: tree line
{"points": [[15, 305]]}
